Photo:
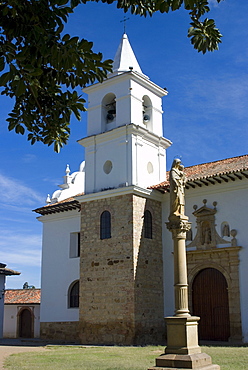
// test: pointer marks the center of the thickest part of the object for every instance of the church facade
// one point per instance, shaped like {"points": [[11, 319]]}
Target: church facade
{"points": [[106, 249]]}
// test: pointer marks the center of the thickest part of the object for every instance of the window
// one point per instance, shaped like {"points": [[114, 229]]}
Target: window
{"points": [[105, 225], [74, 245], [148, 224], [74, 295]]}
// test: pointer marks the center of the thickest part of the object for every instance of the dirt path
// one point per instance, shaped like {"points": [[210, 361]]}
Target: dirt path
{"points": [[9, 347]]}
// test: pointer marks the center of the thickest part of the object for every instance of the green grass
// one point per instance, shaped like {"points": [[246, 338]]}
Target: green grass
{"points": [[115, 358]]}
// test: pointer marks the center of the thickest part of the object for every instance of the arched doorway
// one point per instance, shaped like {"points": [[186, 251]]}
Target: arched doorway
{"points": [[210, 302], [26, 324]]}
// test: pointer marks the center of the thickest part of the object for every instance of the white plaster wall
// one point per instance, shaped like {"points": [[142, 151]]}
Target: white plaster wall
{"points": [[10, 321], [145, 155], [10, 329], [130, 152], [232, 205], [2, 287], [58, 270]]}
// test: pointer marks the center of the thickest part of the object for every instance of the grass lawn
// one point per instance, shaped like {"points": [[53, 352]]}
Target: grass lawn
{"points": [[115, 358]]}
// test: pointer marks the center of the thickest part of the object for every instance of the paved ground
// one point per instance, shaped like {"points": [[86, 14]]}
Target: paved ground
{"points": [[10, 346]]}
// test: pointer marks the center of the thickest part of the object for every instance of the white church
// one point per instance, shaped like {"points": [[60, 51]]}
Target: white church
{"points": [[107, 257]]}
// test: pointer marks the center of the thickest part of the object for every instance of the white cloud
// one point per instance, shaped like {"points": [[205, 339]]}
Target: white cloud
{"points": [[226, 95], [213, 3], [20, 249], [25, 259], [14, 192], [19, 239], [29, 158]]}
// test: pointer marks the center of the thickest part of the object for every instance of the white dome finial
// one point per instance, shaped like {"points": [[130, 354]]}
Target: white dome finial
{"points": [[48, 199], [67, 170]]}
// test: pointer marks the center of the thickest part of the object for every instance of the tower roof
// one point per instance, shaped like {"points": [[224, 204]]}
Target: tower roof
{"points": [[125, 58]]}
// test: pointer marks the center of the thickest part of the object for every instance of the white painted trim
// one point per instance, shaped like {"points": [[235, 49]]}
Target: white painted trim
{"points": [[133, 189], [141, 79], [74, 213], [124, 130]]}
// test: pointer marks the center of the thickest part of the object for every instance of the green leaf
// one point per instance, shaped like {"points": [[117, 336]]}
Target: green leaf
{"points": [[2, 64], [66, 38], [21, 88], [36, 72], [19, 129], [5, 78], [62, 2]]}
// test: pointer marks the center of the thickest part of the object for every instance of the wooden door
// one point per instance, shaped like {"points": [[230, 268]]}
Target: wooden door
{"points": [[210, 302], [25, 324]]}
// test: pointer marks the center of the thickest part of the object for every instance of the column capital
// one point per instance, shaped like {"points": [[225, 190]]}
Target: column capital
{"points": [[178, 225]]}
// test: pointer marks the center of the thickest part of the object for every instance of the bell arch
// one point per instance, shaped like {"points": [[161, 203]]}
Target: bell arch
{"points": [[147, 112], [108, 112]]}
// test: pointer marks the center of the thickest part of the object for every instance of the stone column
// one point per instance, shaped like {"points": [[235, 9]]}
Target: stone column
{"points": [[182, 351], [178, 226], [182, 328]]}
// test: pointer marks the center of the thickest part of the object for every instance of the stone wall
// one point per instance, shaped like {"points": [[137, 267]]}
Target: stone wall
{"points": [[121, 288], [226, 260], [60, 331]]}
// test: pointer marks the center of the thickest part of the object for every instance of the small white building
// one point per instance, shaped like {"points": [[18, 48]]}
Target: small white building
{"points": [[4, 271], [22, 313], [105, 245]]}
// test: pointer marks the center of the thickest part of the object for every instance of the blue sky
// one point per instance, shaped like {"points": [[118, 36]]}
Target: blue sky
{"points": [[205, 114]]}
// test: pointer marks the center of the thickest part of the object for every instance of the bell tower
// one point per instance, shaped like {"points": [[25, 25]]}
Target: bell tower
{"points": [[121, 261], [124, 144]]}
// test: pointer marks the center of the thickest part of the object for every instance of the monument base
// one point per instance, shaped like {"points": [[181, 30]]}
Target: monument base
{"points": [[182, 335], [197, 361], [183, 351]]}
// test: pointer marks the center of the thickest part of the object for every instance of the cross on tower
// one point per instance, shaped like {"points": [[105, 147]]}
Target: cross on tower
{"points": [[124, 21]]}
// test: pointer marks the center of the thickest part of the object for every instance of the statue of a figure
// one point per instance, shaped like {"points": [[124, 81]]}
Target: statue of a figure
{"points": [[177, 183]]}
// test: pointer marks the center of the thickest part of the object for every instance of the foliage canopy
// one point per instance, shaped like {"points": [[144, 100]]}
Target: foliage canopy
{"points": [[40, 67]]}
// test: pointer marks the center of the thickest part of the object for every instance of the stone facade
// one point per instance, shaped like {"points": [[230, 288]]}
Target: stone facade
{"points": [[60, 331], [226, 260], [121, 278]]}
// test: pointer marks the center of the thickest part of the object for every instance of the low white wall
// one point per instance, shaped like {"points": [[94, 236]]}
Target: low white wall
{"points": [[2, 286], [10, 326]]}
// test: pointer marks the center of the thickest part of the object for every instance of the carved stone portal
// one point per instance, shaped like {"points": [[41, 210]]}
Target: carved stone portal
{"points": [[206, 236]]}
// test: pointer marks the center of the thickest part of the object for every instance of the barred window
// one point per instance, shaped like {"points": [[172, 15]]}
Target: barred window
{"points": [[74, 295], [148, 224], [105, 225]]}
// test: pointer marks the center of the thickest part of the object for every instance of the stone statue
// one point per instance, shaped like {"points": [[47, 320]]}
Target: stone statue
{"points": [[177, 183]]}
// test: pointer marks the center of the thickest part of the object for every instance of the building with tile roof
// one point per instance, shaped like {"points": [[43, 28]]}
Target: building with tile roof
{"points": [[107, 260], [4, 271], [22, 313]]}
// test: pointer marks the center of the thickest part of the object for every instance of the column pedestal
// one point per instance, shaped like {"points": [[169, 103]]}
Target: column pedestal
{"points": [[183, 351], [200, 361], [182, 335]]}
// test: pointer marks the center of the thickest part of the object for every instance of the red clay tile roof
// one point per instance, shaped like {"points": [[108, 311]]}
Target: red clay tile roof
{"points": [[225, 166], [22, 296], [222, 170]]}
